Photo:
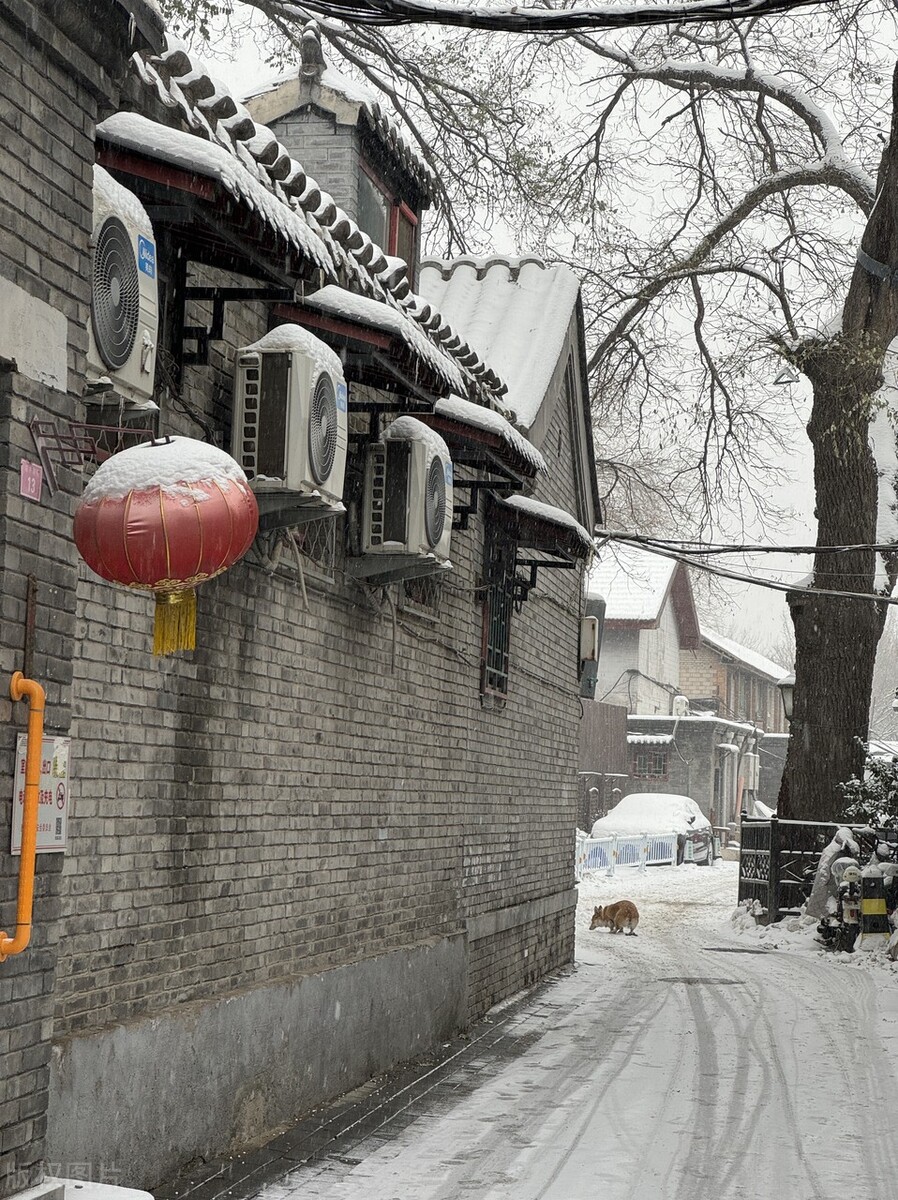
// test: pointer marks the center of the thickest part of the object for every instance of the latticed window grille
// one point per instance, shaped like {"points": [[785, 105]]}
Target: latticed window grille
{"points": [[498, 606], [649, 764], [317, 542], [422, 596]]}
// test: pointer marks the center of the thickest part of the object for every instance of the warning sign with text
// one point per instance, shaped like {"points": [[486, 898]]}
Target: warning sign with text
{"points": [[53, 795]]}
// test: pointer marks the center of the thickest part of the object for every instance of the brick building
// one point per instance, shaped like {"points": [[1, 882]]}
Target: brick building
{"points": [[711, 759], [699, 704], [342, 827], [650, 618], [733, 681]]}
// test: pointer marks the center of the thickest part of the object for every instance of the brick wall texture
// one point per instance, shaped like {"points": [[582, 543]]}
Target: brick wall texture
{"points": [[317, 784], [50, 91], [314, 782]]}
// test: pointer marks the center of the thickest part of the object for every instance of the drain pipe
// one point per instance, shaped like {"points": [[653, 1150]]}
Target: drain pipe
{"points": [[21, 688]]}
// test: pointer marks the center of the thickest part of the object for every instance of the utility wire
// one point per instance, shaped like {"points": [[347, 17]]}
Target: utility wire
{"points": [[699, 548], [724, 573], [533, 20]]}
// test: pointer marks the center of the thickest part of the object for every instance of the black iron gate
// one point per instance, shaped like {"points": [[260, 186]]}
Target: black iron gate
{"points": [[778, 860]]}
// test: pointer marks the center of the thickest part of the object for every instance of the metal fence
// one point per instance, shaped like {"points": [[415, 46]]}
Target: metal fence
{"points": [[778, 859], [635, 850]]}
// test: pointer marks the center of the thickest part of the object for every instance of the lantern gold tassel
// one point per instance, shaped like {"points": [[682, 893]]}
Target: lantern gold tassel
{"points": [[175, 625]]}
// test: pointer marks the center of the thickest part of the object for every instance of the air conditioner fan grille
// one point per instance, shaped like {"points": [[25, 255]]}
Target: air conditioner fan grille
{"points": [[435, 502], [323, 429], [115, 302]]}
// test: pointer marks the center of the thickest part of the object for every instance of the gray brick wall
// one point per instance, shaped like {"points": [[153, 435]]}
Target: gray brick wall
{"points": [[315, 789], [47, 119], [329, 153]]}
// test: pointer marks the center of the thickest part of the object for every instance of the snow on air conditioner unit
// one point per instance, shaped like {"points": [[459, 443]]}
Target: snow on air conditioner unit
{"points": [[407, 504], [124, 297], [290, 428]]}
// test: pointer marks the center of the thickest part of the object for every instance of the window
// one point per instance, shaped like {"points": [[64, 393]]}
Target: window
{"points": [[404, 236], [387, 221], [649, 764], [374, 210], [498, 605]]}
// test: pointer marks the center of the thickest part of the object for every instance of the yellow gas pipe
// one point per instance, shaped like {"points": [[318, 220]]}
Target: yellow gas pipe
{"points": [[19, 689]]}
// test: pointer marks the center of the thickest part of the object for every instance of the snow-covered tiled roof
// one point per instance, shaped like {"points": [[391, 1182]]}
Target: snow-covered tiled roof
{"points": [[649, 739], [633, 582], [515, 312], [218, 125], [552, 515], [694, 718], [454, 408], [134, 132], [338, 302], [751, 658]]}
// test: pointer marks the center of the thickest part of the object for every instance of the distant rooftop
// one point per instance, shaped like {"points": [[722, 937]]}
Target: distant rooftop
{"points": [[751, 658], [633, 582]]}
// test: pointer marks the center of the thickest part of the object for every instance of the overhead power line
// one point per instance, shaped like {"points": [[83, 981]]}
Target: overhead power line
{"points": [[740, 577], [711, 548], [534, 20]]}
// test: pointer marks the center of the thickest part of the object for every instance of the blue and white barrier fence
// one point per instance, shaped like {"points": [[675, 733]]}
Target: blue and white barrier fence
{"points": [[634, 850]]}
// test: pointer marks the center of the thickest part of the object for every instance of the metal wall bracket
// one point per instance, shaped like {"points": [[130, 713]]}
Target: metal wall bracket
{"points": [[524, 586], [73, 444], [220, 296], [462, 512]]}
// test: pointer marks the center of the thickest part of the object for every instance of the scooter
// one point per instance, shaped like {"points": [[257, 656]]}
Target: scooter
{"points": [[840, 926]]}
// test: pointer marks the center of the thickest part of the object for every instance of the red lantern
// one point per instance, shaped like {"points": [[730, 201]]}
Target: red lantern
{"points": [[163, 517]]}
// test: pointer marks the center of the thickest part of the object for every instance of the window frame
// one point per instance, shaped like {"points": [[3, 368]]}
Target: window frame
{"points": [[650, 752], [396, 207], [499, 578]]}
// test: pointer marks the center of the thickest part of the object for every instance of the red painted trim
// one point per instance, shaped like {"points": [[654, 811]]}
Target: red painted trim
{"points": [[450, 428], [316, 320], [406, 212], [472, 432], [132, 163]]}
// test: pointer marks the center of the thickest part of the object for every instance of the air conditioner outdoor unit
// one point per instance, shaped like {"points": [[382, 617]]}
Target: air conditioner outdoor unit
{"points": [[124, 300], [407, 504], [290, 429]]}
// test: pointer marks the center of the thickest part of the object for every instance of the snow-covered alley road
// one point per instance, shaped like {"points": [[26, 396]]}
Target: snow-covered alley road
{"points": [[701, 1060]]}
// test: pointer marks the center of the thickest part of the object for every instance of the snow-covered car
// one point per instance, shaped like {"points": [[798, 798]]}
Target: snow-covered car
{"points": [[656, 813]]}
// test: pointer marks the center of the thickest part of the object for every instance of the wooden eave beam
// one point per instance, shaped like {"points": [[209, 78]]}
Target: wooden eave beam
{"points": [[488, 447], [379, 342]]}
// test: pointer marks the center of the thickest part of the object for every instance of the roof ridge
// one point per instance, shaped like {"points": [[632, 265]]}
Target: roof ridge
{"points": [[483, 265], [315, 70]]}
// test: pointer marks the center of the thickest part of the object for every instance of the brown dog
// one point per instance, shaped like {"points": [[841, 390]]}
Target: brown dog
{"points": [[622, 915]]}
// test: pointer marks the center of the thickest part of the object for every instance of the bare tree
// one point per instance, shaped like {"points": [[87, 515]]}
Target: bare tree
{"points": [[713, 186]]}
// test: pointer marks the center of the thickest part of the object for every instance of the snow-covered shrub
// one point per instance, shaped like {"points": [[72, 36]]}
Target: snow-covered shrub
{"points": [[873, 800]]}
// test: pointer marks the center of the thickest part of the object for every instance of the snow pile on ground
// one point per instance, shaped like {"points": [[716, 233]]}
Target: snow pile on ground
{"points": [[798, 935]]}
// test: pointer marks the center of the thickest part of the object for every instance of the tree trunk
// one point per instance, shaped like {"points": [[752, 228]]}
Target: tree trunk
{"points": [[835, 640]]}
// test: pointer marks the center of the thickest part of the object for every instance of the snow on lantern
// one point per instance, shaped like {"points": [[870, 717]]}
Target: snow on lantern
{"points": [[163, 517]]}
